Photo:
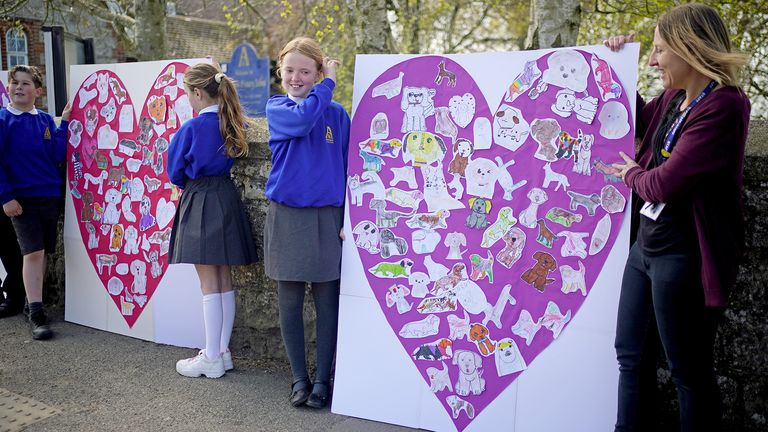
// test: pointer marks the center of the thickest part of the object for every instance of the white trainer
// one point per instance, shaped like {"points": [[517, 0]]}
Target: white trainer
{"points": [[227, 357], [201, 365]]}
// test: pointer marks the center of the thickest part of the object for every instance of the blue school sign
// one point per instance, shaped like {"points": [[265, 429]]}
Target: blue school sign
{"points": [[251, 75]]}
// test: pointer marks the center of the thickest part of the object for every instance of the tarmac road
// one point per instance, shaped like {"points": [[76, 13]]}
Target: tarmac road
{"points": [[106, 382]]}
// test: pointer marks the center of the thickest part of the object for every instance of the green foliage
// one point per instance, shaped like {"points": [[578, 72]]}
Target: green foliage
{"points": [[747, 21]]}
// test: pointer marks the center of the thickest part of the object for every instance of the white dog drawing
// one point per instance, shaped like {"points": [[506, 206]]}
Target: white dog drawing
{"points": [[459, 327], [470, 373], [508, 358], [367, 236], [139, 272], [131, 241], [419, 282], [481, 177], [550, 176], [418, 329], [417, 105], [439, 378], [370, 183], [529, 216]]}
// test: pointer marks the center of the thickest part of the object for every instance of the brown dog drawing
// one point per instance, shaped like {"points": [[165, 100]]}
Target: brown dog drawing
{"points": [[537, 275]]}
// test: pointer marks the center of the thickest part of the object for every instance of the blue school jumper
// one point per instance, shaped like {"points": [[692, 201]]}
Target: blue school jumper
{"points": [[309, 143], [32, 149]]}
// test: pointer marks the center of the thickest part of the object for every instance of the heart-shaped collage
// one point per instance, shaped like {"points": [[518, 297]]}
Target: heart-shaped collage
{"points": [[482, 231], [122, 197], [4, 98]]}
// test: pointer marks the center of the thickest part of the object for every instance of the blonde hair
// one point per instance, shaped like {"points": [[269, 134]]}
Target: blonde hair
{"points": [[305, 46], [232, 119], [697, 34], [37, 77]]}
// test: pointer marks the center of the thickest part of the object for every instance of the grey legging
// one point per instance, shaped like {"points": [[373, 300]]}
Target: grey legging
{"points": [[290, 299]]}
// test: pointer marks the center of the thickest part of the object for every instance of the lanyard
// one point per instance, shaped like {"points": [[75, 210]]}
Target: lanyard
{"points": [[669, 141]]}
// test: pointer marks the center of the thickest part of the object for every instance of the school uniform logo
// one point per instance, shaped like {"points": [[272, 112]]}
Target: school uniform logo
{"points": [[47, 134], [328, 135]]}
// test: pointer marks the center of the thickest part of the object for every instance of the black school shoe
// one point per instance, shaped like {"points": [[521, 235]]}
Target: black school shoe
{"points": [[319, 397], [39, 324], [300, 392], [10, 308]]}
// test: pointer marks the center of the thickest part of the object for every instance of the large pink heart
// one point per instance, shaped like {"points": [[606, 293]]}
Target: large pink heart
{"points": [[123, 199], [4, 99], [478, 262]]}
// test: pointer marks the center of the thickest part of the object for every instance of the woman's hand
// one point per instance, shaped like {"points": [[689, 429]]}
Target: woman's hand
{"points": [[329, 67], [626, 166], [616, 43]]}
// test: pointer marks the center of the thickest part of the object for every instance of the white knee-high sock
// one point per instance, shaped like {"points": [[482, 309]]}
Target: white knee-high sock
{"points": [[213, 320], [228, 308]]}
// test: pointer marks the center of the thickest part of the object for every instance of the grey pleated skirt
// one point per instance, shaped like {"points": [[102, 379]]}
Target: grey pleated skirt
{"points": [[211, 226], [303, 244]]}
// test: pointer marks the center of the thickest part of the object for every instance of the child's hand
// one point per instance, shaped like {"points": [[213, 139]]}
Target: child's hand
{"points": [[341, 235], [67, 111], [329, 67], [12, 208]]}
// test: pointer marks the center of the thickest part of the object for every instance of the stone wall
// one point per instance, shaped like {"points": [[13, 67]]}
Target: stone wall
{"points": [[742, 344]]}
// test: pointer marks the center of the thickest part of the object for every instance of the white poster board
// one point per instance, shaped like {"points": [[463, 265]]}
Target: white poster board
{"points": [[571, 384], [173, 314]]}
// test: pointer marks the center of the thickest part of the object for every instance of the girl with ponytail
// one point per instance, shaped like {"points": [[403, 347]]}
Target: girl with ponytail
{"points": [[210, 229]]}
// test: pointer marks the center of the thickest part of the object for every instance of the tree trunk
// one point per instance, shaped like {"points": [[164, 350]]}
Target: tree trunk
{"points": [[553, 24], [150, 29], [370, 24]]}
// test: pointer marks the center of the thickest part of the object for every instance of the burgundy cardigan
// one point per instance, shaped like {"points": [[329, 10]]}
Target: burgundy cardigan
{"points": [[707, 165]]}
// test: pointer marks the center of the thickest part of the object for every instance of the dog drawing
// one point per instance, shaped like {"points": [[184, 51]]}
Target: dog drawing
{"points": [[481, 177], [508, 358], [131, 241], [437, 350], [396, 297], [470, 373], [493, 312], [459, 327], [387, 218], [503, 223], [573, 280], [582, 161], [545, 237], [416, 105], [505, 179], [438, 378], [454, 242], [482, 267], [370, 183], [589, 202], [419, 282], [419, 329], [371, 162], [480, 335], [449, 281], [442, 72], [139, 272], [514, 241], [95, 180], [367, 236], [529, 216], [156, 269], [391, 244], [550, 176], [536, 276], [396, 269], [458, 405], [107, 260], [545, 133], [403, 174], [478, 217]]}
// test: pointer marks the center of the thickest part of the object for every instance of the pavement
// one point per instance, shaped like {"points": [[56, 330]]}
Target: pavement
{"points": [[90, 380]]}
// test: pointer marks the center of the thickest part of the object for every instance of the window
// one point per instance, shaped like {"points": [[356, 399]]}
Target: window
{"points": [[16, 41]]}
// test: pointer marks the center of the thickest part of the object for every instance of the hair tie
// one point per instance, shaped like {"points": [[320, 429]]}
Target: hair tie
{"points": [[218, 77]]}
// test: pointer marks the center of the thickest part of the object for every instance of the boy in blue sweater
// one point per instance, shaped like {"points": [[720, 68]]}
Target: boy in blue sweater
{"points": [[31, 181]]}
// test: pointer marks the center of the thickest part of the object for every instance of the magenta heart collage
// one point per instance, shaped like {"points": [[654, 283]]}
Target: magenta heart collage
{"points": [[483, 229], [122, 197]]}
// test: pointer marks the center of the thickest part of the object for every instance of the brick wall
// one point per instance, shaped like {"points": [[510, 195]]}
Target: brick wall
{"points": [[35, 49]]}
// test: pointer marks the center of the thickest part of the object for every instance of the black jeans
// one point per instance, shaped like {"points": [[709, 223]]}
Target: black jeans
{"points": [[664, 294]]}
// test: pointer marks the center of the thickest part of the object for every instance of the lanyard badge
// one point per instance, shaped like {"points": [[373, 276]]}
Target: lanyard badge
{"points": [[669, 141]]}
